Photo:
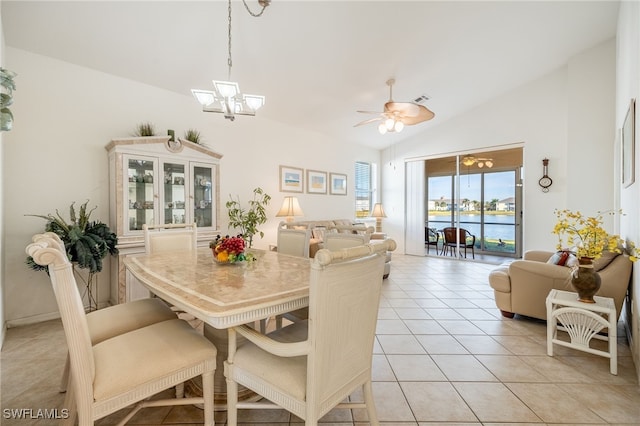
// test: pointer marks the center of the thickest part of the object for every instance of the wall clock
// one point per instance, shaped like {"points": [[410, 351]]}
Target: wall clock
{"points": [[545, 181]]}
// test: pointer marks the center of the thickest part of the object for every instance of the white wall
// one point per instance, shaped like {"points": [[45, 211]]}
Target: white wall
{"points": [[628, 87], [553, 118], [66, 114]]}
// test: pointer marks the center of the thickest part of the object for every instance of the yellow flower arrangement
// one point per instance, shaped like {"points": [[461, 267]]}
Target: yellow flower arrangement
{"points": [[588, 235]]}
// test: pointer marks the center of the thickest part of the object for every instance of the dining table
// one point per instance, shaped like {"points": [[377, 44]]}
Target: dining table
{"points": [[223, 295]]}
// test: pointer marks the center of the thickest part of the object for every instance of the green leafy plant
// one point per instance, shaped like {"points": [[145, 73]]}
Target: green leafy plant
{"points": [[192, 135], [145, 129], [247, 220], [6, 98], [87, 243]]}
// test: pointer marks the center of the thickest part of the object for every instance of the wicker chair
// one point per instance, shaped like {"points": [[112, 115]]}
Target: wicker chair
{"points": [[455, 240]]}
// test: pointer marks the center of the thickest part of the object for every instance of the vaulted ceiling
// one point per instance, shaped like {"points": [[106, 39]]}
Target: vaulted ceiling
{"points": [[318, 62]]}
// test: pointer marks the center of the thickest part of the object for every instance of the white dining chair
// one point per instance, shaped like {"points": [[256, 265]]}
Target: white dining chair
{"points": [[128, 368], [114, 320], [294, 242], [332, 241], [312, 366], [170, 237]]}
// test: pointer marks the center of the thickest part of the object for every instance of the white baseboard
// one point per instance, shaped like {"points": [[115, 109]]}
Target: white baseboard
{"points": [[42, 318], [32, 319]]}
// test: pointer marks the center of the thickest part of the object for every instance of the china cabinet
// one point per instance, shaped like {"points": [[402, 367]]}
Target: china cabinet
{"points": [[154, 180]]}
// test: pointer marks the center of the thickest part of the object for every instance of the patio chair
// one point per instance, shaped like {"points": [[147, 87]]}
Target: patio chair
{"points": [[431, 238], [453, 243]]}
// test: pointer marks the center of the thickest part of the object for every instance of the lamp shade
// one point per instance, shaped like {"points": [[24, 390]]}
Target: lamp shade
{"points": [[378, 211], [290, 207]]}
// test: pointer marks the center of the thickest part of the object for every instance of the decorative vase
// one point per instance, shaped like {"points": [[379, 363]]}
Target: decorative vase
{"points": [[585, 280]]}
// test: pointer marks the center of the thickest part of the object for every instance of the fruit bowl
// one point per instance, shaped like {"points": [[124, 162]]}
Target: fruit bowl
{"points": [[228, 250]]}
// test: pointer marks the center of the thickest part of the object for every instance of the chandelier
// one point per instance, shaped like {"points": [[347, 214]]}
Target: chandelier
{"points": [[226, 97], [470, 160]]}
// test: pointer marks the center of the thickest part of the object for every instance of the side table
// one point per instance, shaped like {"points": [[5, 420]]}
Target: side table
{"points": [[582, 321]]}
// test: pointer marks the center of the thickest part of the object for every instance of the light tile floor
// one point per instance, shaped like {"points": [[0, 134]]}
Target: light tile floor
{"points": [[443, 355]]}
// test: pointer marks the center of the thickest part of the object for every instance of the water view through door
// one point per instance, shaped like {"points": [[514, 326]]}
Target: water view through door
{"points": [[483, 200]]}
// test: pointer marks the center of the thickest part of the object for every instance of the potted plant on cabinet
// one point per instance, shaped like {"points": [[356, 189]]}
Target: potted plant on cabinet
{"points": [[248, 220], [87, 243]]}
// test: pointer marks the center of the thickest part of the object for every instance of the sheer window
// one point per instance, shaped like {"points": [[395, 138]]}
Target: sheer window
{"points": [[364, 188]]}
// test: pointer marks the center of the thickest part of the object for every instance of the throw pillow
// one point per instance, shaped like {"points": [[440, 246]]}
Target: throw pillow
{"points": [[560, 258], [604, 260]]}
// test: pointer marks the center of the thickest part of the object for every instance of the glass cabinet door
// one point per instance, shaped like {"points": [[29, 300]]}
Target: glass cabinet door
{"points": [[203, 201], [174, 193], [141, 177]]}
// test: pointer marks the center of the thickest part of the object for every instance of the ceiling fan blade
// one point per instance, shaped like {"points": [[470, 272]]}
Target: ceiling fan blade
{"points": [[424, 114], [370, 112], [371, 120], [406, 109]]}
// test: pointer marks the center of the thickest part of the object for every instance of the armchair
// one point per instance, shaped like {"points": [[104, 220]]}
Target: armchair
{"points": [[521, 287]]}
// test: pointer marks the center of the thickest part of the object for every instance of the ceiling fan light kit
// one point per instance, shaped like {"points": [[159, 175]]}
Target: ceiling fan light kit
{"points": [[226, 97], [470, 160], [397, 115]]}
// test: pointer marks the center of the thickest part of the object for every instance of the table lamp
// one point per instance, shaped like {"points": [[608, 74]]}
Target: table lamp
{"points": [[290, 208], [378, 213]]}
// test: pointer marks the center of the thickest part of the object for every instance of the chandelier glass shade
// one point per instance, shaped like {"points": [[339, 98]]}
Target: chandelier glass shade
{"points": [[226, 97]]}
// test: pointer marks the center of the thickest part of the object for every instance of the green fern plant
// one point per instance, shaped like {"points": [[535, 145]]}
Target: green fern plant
{"points": [[87, 242]]}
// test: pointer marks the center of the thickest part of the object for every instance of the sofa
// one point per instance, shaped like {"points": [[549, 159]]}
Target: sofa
{"points": [[521, 286], [320, 227]]}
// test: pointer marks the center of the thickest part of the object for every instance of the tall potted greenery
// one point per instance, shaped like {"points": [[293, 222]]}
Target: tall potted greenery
{"points": [[87, 243], [6, 98], [247, 220]]}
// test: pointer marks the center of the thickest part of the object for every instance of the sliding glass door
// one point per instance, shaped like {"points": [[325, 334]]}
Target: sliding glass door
{"points": [[484, 200]]}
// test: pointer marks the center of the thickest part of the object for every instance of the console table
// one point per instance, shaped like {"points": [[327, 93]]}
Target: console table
{"points": [[582, 321]]}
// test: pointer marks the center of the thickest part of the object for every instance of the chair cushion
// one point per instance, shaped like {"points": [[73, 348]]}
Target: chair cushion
{"points": [[136, 358], [118, 319], [289, 374]]}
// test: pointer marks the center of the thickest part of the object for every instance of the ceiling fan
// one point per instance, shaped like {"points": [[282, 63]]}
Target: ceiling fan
{"points": [[396, 115], [470, 160]]}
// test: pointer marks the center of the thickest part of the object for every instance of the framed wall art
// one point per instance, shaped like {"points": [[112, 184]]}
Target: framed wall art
{"points": [[316, 182], [338, 184], [291, 179], [628, 146]]}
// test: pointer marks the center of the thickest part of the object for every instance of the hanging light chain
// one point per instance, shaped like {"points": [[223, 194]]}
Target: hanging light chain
{"points": [[229, 61], [264, 4]]}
